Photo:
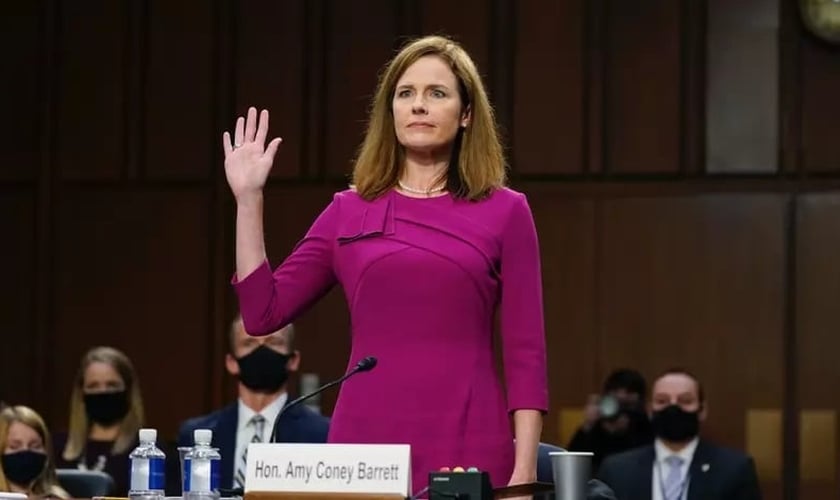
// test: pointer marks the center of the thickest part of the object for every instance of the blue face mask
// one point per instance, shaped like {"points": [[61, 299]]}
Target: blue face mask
{"points": [[23, 467]]}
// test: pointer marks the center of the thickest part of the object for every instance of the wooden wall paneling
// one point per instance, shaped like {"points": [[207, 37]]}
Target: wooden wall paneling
{"points": [[500, 74], [92, 97], [790, 105], [21, 28], [698, 282], [742, 95], [817, 323], [469, 24], [820, 81], [693, 77], [642, 79], [222, 210], [18, 383], [323, 333], [548, 115], [567, 233], [594, 88], [358, 45], [272, 68], [42, 323], [177, 96], [315, 136], [132, 272]]}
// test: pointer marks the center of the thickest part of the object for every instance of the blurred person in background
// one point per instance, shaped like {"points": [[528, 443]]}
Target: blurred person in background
{"points": [[615, 420], [27, 463], [262, 366], [106, 412], [679, 464]]}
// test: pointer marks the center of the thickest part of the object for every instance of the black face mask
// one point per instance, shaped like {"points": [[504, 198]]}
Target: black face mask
{"points": [[23, 467], [106, 408], [263, 369], [675, 424]]}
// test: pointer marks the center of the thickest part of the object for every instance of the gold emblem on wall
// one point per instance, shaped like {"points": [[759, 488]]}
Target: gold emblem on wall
{"points": [[822, 18]]}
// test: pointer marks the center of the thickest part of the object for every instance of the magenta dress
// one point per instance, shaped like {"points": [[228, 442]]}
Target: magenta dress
{"points": [[423, 279]]}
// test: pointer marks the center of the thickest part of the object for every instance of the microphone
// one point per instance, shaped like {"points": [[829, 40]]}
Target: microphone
{"points": [[365, 365]]}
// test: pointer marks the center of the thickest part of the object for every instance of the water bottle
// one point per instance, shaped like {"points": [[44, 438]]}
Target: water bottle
{"points": [[147, 468], [201, 468]]}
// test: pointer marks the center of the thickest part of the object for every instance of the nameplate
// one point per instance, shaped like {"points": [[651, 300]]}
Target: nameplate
{"points": [[329, 468]]}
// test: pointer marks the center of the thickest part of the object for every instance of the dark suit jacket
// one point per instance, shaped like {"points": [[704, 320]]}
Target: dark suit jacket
{"points": [[300, 424], [715, 474]]}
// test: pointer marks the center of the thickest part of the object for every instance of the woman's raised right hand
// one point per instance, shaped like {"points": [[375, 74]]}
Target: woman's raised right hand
{"points": [[247, 159]]}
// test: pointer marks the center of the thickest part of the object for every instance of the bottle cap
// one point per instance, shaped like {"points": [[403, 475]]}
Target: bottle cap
{"points": [[203, 436], [148, 435]]}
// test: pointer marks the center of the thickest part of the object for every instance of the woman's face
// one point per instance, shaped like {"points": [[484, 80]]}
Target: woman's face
{"points": [[427, 106], [105, 397], [101, 377], [24, 456], [21, 437]]}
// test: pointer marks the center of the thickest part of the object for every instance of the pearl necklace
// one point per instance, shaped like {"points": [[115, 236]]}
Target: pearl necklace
{"points": [[420, 191]]}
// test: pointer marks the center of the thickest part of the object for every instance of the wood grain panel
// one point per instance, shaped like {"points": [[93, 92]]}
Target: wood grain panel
{"points": [[695, 282], [132, 272], [817, 323], [17, 296], [818, 446], [764, 430], [817, 288], [548, 89], [271, 73], [742, 96], [92, 98], [642, 86], [469, 24], [566, 230], [21, 34], [358, 47], [179, 90], [820, 81]]}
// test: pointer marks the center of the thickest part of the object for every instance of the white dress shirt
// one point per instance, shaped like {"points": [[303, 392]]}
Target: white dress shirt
{"points": [[245, 432], [660, 468]]}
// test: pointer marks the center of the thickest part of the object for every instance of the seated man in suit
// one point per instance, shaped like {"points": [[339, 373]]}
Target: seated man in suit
{"points": [[262, 365], [680, 465]]}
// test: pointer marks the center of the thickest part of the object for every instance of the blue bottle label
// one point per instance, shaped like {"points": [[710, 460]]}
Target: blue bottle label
{"points": [[157, 474], [204, 475], [147, 474], [186, 475], [215, 477]]}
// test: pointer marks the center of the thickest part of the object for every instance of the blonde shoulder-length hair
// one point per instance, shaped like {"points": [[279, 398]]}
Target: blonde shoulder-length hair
{"points": [[477, 165], [46, 483], [79, 427]]}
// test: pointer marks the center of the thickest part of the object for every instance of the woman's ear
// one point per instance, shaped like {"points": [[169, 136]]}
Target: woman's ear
{"points": [[466, 115]]}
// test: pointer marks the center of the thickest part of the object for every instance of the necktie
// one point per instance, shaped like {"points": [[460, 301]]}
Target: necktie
{"points": [[257, 423], [673, 487]]}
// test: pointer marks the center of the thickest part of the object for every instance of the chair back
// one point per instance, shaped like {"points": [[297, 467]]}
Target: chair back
{"points": [[544, 470], [85, 483]]}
